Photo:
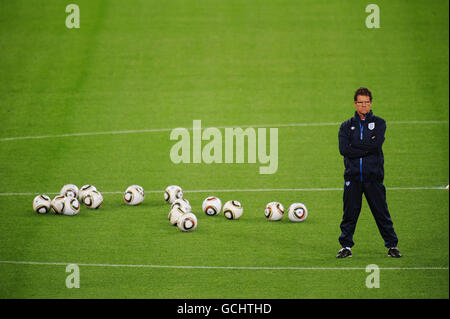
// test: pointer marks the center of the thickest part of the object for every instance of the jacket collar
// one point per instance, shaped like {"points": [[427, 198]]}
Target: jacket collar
{"points": [[368, 117]]}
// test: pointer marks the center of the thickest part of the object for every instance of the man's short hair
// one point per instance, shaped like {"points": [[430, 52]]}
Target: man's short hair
{"points": [[362, 91]]}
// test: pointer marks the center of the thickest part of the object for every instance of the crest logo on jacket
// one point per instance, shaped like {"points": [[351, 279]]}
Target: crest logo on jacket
{"points": [[371, 126]]}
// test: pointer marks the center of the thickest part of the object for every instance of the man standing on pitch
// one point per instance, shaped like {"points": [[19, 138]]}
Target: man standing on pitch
{"points": [[360, 142]]}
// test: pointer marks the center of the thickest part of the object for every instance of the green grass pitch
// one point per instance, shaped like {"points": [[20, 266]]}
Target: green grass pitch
{"points": [[157, 65]]}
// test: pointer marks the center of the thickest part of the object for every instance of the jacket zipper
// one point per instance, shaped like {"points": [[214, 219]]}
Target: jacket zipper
{"points": [[361, 129]]}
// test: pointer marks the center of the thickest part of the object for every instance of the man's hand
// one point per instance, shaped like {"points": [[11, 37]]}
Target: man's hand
{"points": [[373, 147], [352, 152]]}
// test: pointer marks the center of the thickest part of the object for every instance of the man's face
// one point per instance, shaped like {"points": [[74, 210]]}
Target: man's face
{"points": [[363, 104]]}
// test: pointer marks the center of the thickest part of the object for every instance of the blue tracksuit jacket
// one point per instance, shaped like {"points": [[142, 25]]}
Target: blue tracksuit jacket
{"points": [[360, 142]]}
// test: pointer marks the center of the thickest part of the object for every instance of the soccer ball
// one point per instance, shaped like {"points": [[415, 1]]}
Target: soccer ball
{"points": [[183, 203], [297, 212], [212, 206], [274, 211], [233, 209], [134, 195], [92, 199], [84, 190], [58, 204], [42, 204], [69, 190], [187, 222], [71, 206], [172, 193], [175, 214]]}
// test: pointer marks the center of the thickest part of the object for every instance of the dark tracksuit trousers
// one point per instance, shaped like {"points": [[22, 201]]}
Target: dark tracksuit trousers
{"points": [[360, 143], [375, 194]]}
